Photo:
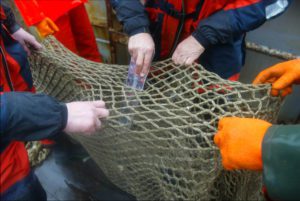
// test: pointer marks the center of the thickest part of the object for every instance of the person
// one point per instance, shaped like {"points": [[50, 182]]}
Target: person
{"points": [[19, 113], [213, 31], [19, 123], [273, 149], [15, 42], [67, 20]]}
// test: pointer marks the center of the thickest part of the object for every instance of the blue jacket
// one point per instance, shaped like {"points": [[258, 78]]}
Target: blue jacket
{"points": [[220, 26]]}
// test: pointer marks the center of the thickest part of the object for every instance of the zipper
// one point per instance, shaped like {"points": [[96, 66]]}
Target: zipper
{"points": [[181, 24]]}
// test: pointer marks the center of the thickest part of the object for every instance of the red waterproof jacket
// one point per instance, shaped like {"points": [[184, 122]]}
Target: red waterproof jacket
{"points": [[35, 11], [15, 76], [218, 25]]}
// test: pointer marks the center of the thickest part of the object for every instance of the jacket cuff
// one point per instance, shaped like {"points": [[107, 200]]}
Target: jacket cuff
{"points": [[64, 115], [14, 28], [138, 30], [200, 37]]}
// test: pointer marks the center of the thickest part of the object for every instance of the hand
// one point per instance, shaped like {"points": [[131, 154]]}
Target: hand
{"points": [[26, 40], [84, 117], [240, 142], [46, 27], [282, 76], [187, 51], [141, 49]]}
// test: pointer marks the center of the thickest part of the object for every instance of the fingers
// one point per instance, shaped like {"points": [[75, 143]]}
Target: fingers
{"points": [[275, 92], [35, 44], [217, 139], [98, 124], [189, 61], [187, 51], [52, 25], [102, 113], [139, 62], [175, 57], [283, 92], [100, 104], [141, 49], [284, 81], [222, 123], [147, 62], [286, 91], [266, 75]]}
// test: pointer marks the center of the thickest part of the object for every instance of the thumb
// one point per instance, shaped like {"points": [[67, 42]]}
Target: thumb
{"points": [[52, 25]]}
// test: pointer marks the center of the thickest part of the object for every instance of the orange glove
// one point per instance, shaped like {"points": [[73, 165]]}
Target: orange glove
{"points": [[240, 142], [46, 27], [282, 76]]}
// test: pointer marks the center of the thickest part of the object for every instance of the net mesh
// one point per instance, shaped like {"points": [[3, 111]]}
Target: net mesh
{"points": [[158, 143]]}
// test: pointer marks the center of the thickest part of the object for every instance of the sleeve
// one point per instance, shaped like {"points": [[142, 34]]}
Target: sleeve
{"points": [[28, 117], [132, 14], [238, 17], [281, 162], [30, 11], [10, 21]]}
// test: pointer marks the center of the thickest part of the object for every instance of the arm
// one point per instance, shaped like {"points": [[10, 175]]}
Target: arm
{"points": [[131, 13], [10, 21], [17, 32], [281, 162], [238, 17], [282, 76], [273, 149], [26, 116]]}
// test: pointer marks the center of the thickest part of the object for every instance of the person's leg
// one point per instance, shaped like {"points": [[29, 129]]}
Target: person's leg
{"points": [[28, 188], [83, 34]]}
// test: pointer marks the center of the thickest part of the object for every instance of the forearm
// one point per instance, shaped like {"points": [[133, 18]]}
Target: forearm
{"points": [[237, 18], [10, 21], [281, 161], [27, 116], [132, 14]]}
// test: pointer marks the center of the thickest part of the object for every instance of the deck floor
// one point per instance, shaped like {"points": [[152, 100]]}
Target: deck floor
{"points": [[70, 174]]}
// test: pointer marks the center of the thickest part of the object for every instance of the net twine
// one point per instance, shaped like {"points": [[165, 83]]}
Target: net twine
{"points": [[158, 143]]}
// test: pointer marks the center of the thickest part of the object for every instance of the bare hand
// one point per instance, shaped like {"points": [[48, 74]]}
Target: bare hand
{"points": [[26, 40], [84, 117], [187, 51], [141, 49]]}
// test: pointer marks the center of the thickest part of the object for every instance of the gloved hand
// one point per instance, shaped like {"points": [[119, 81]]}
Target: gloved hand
{"points": [[187, 51], [46, 27], [282, 76], [240, 142], [141, 49], [26, 40]]}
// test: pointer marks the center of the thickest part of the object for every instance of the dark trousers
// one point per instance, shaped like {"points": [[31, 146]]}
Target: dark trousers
{"points": [[28, 188]]}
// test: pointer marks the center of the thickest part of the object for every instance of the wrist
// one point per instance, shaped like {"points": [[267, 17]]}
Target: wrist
{"points": [[200, 37], [64, 115], [13, 29]]}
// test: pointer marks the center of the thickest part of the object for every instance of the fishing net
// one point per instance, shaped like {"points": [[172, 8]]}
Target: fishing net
{"points": [[158, 143]]}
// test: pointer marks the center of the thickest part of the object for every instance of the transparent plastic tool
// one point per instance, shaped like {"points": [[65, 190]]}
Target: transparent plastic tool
{"points": [[134, 80]]}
